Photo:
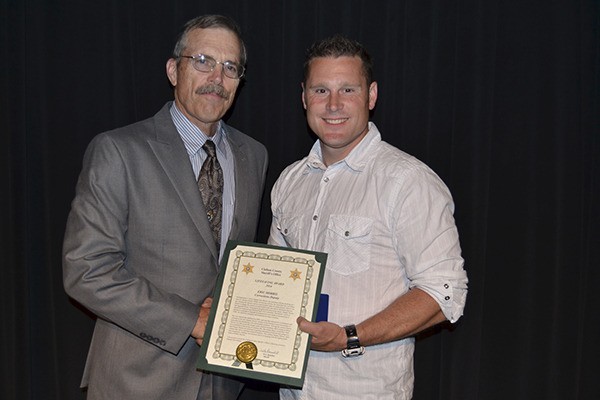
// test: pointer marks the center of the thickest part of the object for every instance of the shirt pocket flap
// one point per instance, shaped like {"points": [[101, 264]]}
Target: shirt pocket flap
{"points": [[350, 227], [289, 226]]}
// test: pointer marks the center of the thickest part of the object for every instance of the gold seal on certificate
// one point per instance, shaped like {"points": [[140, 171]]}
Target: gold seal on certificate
{"points": [[246, 352]]}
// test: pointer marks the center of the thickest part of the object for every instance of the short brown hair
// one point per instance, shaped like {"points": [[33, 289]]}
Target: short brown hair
{"points": [[338, 46]]}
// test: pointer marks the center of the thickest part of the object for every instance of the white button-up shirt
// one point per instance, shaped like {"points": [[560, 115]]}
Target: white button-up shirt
{"points": [[386, 221]]}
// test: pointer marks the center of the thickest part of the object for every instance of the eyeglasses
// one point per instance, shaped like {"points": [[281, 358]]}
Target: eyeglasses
{"points": [[204, 63]]}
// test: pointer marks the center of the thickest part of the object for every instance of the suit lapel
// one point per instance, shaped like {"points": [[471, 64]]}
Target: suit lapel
{"points": [[241, 183], [172, 155]]}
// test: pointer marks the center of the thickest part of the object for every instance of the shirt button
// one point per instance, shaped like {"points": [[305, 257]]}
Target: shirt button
{"points": [[447, 298], [446, 286], [315, 217], [347, 233], [285, 231], [326, 179]]}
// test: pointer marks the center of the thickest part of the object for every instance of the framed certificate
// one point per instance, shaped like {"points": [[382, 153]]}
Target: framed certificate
{"points": [[252, 330]]}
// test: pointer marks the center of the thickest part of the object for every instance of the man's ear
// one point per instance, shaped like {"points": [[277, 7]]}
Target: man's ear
{"points": [[171, 68], [303, 100], [372, 95]]}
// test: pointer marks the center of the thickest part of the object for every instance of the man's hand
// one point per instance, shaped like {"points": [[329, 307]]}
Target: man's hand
{"points": [[325, 335], [199, 328]]}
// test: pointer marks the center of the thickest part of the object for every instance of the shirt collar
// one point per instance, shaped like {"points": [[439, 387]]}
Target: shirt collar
{"points": [[358, 157], [192, 136]]}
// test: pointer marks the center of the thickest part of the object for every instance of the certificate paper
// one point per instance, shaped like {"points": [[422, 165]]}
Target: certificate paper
{"points": [[252, 330]]}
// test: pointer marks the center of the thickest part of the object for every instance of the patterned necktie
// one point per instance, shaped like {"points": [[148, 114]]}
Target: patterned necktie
{"points": [[210, 184]]}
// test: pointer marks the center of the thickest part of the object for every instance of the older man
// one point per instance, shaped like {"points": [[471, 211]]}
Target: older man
{"points": [[154, 202]]}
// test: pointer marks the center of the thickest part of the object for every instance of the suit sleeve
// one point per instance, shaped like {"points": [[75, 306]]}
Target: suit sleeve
{"points": [[95, 270]]}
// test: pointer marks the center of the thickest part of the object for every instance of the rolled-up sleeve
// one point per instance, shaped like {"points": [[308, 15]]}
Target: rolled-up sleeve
{"points": [[427, 239], [450, 291]]}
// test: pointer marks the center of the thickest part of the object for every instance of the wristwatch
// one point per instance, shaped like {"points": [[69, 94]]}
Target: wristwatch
{"points": [[353, 347]]}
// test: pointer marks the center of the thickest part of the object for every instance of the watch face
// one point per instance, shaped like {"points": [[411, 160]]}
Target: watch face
{"points": [[351, 331], [353, 347]]}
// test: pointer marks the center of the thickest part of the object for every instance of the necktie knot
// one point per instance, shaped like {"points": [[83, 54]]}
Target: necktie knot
{"points": [[209, 148]]}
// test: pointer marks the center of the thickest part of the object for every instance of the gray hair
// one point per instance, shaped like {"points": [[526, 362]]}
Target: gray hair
{"points": [[210, 21]]}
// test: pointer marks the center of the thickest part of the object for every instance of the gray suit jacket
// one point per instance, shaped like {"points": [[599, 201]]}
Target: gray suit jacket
{"points": [[138, 252]]}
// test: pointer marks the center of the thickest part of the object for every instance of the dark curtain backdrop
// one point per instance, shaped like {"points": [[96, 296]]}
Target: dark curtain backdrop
{"points": [[499, 98]]}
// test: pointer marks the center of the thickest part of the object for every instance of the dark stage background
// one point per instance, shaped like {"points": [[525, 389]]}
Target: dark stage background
{"points": [[499, 98]]}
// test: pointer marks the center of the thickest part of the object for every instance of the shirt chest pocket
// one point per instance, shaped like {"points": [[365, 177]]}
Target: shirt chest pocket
{"points": [[290, 228], [348, 243]]}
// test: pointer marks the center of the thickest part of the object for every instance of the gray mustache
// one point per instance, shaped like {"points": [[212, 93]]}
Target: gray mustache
{"points": [[213, 88]]}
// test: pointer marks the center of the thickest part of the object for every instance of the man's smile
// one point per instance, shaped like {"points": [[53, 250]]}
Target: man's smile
{"points": [[336, 121]]}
